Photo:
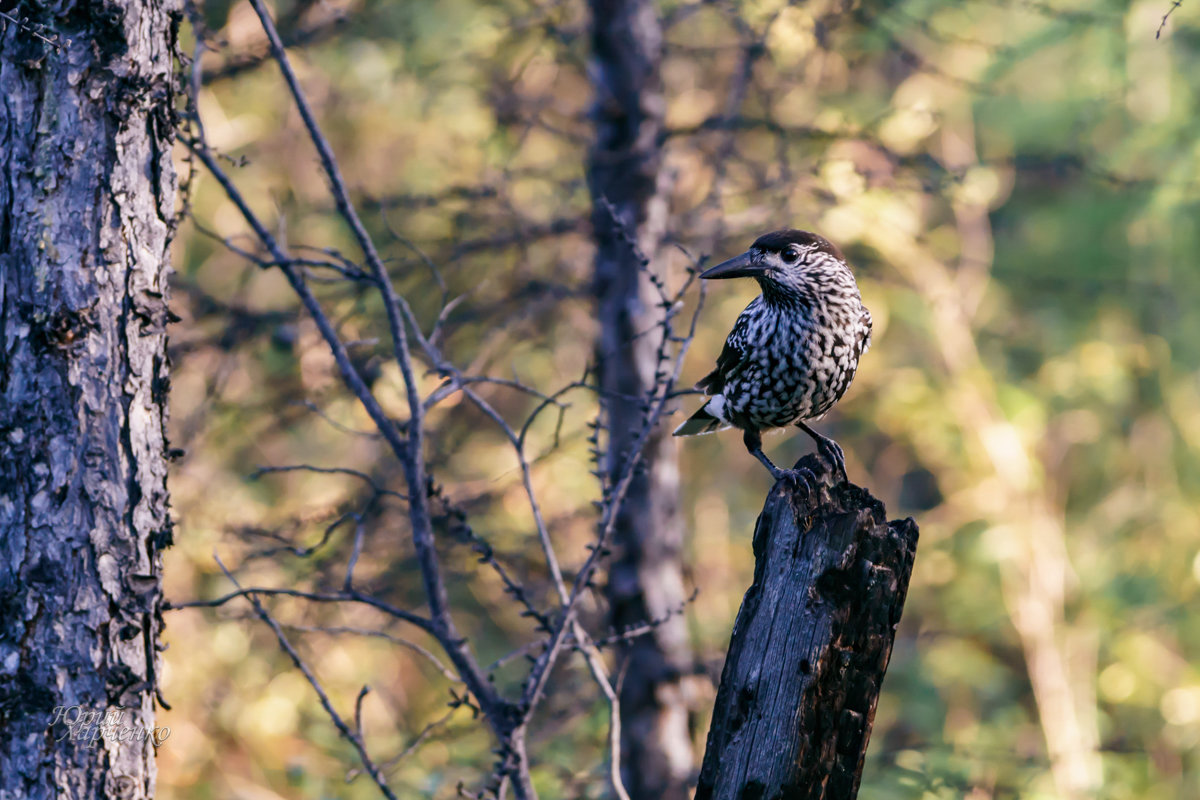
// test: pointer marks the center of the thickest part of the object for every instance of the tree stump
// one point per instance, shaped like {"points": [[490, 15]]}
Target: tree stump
{"points": [[810, 646]]}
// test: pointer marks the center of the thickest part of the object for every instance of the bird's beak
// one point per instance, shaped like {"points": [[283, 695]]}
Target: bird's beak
{"points": [[743, 266]]}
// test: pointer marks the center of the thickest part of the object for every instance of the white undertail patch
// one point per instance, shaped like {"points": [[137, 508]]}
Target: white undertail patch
{"points": [[710, 418], [718, 407]]}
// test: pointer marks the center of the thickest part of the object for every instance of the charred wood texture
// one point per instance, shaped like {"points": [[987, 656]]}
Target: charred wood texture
{"points": [[86, 209], [646, 576], [810, 646]]}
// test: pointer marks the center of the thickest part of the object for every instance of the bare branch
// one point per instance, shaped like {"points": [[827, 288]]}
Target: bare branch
{"points": [[562, 629], [540, 672], [600, 675], [362, 476], [318, 597], [1174, 5], [446, 672], [313, 407], [412, 747], [350, 736], [410, 452]]}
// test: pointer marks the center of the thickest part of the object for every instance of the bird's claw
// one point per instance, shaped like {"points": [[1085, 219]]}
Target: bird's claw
{"points": [[831, 451], [795, 478]]}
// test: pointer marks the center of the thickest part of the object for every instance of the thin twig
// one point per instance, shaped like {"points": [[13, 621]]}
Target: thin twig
{"points": [[362, 476], [350, 736], [1174, 5], [446, 672], [540, 672], [412, 747], [317, 597], [600, 675]]}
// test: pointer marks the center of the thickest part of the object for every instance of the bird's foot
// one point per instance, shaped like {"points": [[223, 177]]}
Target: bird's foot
{"points": [[831, 451], [797, 478]]}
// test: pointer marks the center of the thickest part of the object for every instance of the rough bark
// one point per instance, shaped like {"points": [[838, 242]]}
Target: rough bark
{"points": [[646, 577], [809, 648], [86, 207]]}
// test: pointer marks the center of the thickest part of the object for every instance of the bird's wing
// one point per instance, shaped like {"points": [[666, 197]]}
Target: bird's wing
{"points": [[864, 343], [733, 355]]}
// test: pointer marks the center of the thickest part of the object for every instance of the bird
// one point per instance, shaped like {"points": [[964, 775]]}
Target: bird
{"points": [[792, 352]]}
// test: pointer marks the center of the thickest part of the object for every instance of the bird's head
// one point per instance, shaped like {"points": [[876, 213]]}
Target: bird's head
{"points": [[782, 260]]}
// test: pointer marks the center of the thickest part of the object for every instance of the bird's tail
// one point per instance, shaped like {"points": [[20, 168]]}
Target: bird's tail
{"points": [[703, 421]]}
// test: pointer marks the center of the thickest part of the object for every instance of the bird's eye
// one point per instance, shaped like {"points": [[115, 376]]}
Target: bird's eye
{"points": [[791, 255]]}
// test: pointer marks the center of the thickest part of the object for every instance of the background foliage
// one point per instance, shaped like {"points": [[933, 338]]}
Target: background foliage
{"points": [[1016, 184]]}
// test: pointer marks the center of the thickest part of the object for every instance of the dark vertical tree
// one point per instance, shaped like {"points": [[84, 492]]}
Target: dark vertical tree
{"points": [[87, 194], [628, 217]]}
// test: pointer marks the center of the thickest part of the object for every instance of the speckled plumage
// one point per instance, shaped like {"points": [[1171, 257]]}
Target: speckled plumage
{"points": [[793, 352]]}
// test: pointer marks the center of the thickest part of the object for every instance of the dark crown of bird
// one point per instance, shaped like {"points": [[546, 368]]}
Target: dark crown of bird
{"points": [[793, 351]]}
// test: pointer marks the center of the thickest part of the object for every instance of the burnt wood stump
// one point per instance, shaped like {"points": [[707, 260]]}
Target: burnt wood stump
{"points": [[809, 647]]}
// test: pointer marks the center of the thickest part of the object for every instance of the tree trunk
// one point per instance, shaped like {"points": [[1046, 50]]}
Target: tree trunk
{"points": [[809, 648], [646, 577], [86, 208]]}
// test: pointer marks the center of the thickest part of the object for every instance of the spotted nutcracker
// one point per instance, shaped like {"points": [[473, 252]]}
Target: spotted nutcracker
{"points": [[792, 352]]}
